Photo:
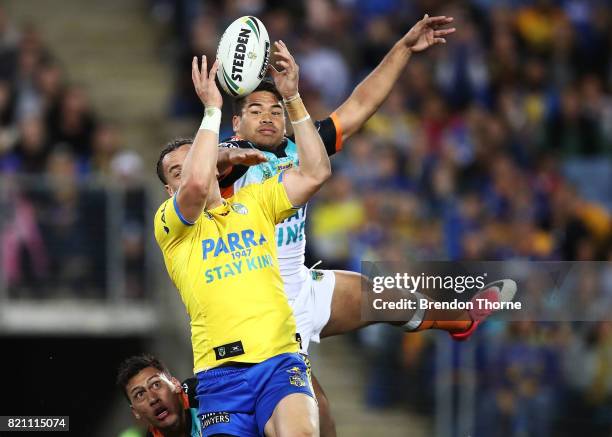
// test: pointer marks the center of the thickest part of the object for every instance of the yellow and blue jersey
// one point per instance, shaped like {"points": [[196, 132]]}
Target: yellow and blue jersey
{"points": [[226, 270]]}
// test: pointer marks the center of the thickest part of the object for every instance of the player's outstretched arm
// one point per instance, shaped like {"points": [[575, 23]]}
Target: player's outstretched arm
{"points": [[314, 167], [374, 89], [228, 157], [199, 168]]}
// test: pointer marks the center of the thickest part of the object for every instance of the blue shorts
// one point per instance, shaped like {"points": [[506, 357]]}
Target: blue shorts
{"points": [[239, 400]]}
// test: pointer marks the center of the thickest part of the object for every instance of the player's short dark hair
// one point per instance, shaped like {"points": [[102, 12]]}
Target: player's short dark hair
{"points": [[169, 147], [131, 366], [265, 85]]}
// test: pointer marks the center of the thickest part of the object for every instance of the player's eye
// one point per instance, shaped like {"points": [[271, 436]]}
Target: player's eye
{"points": [[157, 385], [255, 112], [276, 113], [139, 396]]}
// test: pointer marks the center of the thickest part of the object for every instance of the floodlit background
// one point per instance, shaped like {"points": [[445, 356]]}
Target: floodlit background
{"points": [[495, 146]]}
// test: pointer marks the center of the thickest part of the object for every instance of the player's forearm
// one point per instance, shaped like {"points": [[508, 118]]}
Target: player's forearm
{"points": [[373, 90], [199, 167], [313, 158]]}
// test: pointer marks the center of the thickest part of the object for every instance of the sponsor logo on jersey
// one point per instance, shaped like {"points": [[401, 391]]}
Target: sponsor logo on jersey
{"points": [[231, 242], [284, 166], [240, 208], [208, 419], [317, 275], [296, 377], [229, 350]]}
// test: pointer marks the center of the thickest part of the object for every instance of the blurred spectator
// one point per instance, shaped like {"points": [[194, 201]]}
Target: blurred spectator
{"points": [[73, 122]]}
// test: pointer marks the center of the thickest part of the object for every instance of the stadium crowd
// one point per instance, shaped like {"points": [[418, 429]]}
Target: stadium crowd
{"points": [[53, 146], [496, 146]]}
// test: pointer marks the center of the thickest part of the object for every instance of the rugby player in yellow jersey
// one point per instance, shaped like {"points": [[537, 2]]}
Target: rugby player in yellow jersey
{"points": [[221, 255]]}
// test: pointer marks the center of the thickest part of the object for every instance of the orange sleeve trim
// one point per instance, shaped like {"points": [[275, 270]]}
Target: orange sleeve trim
{"points": [[338, 126]]}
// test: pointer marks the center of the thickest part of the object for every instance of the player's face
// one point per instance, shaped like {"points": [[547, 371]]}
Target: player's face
{"points": [[173, 166], [155, 398], [262, 121]]}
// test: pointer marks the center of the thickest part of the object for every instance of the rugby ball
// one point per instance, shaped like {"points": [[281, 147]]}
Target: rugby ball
{"points": [[244, 54]]}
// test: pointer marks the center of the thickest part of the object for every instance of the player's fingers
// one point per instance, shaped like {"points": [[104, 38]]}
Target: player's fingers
{"points": [[284, 64], [444, 32], [438, 20], [194, 71], [273, 71], [287, 50], [213, 70], [439, 41], [282, 56]]}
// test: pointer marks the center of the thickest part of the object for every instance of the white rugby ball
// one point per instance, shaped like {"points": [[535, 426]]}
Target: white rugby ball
{"points": [[244, 54]]}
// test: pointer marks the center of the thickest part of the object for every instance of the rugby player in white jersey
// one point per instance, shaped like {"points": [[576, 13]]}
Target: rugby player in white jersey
{"points": [[324, 302]]}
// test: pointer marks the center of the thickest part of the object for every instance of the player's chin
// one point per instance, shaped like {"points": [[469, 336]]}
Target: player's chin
{"points": [[164, 420], [268, 139]]}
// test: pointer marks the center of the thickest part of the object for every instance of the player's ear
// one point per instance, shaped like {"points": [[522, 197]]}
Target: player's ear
{"points": [[169, 190], [236, 119], [177, 387], [135, 413]]}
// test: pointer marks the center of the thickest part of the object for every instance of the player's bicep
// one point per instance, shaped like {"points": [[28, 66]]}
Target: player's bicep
{"points": [[299, 188]]}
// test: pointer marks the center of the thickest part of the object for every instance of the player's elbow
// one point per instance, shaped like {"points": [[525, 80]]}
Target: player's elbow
{"points": [[320, 176], [196, 187]]}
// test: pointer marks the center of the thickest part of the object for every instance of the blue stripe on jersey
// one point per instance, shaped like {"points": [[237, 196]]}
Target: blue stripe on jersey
{"points": [[178, 212]]}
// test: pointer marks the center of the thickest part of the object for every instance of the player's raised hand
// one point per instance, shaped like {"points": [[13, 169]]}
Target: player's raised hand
{"points": [[428, 32], [246, 157], [286, 79], [204, 83]]}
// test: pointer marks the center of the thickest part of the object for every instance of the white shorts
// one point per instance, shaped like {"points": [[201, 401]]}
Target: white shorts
{"points": [[312, 305]]}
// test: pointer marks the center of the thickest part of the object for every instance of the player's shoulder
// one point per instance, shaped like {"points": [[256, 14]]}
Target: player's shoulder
{"points": [[160, 214], [189, 387], [236, 143]]}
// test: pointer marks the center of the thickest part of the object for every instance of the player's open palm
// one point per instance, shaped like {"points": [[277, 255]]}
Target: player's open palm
{"points": [[427, 32], [204, 83], [287, 77]]}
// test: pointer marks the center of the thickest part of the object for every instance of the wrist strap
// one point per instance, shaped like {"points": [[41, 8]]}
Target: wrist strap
{"points": [[211, 120], [301, 120], [292, 98]]}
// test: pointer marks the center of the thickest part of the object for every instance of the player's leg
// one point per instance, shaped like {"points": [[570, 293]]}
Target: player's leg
{"points": [[286, 404], [346, 309], [345, 304], [327, 425], [294, 416]]}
